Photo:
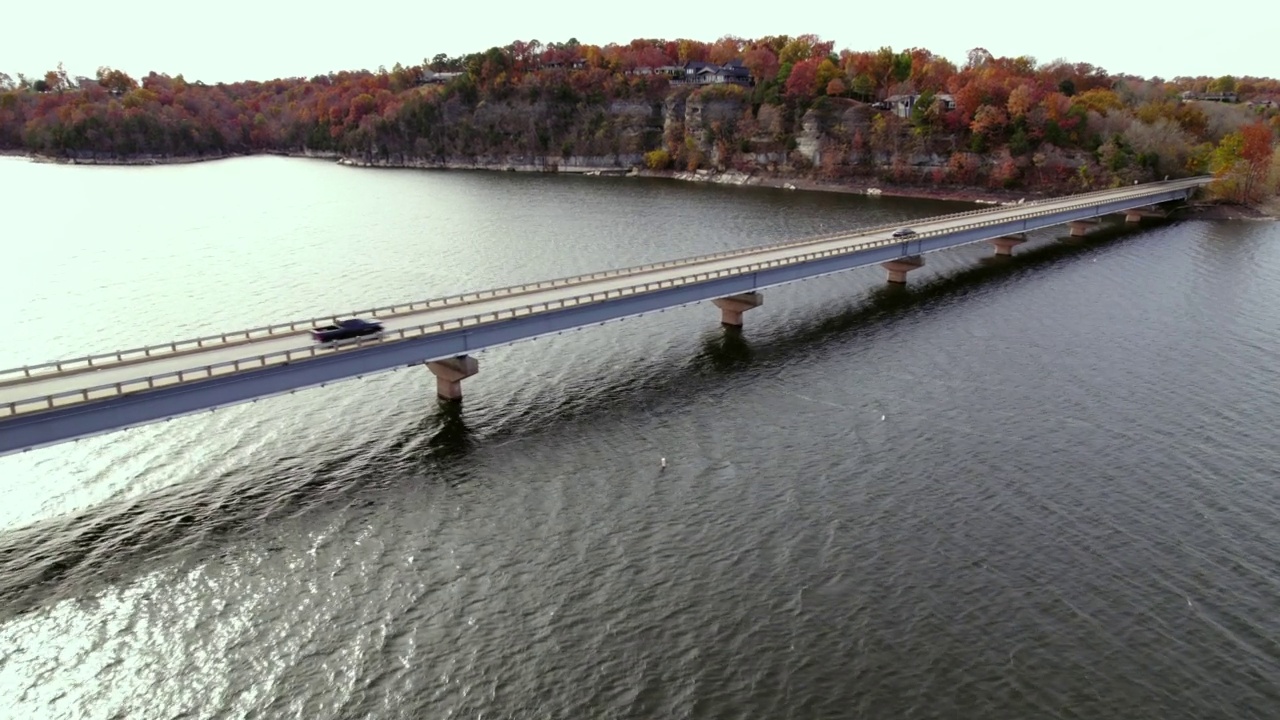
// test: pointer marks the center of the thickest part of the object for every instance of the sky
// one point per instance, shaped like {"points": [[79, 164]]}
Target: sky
{"points": [[233, 40]]}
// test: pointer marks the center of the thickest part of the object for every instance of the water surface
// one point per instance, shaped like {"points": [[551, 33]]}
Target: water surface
{"points": [[1044, 487]]}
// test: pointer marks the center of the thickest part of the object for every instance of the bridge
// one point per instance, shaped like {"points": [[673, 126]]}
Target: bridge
{"points": [[63, 400]]}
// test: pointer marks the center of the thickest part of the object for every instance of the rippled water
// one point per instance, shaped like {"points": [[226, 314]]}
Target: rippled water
{"points": [[1069, 508]]}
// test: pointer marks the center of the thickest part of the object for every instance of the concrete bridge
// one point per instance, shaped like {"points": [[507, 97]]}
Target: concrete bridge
{"points": [[67, 399]]}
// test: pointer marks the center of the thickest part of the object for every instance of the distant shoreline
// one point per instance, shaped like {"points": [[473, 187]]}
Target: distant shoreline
{"points": [[866, 187]]}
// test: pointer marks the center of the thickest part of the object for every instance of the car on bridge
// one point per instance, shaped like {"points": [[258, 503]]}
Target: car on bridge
{"points": [[346, 330], [904, 233]]}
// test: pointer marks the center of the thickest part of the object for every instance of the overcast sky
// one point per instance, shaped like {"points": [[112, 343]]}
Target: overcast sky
{"points": [[233, 40]]}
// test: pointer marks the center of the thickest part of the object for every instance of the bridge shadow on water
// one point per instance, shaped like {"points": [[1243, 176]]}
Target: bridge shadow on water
{"points": [[444, 437], [448, 434], [72, 556], [882, 305], [440, 437]]}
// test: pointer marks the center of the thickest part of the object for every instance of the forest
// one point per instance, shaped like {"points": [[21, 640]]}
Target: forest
{"points": [[782, 106]]}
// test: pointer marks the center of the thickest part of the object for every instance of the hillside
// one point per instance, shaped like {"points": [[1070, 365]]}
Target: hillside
{"points": [[785, 107]]}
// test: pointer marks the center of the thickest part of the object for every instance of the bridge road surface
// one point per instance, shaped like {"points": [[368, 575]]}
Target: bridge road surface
{"points": [[42, 384]]}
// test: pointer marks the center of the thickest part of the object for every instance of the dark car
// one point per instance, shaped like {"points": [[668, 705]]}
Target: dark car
{"points": [[904, 233], [345, 330]]}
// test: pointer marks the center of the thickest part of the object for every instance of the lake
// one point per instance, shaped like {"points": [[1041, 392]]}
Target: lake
{"points": [[1043, 486]]}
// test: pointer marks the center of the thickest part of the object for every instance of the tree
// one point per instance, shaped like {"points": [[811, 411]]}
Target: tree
{"points": [[924, 112], [1164, 145], [1022, 100], [725, 49], [988, 121], [1255, 151], [115, 81], [1241, 162], [762, 62], [1102, 101], [802, 82], [1224, 84], [864, 87], [804, 47], [977, 58], [1226, 165], [827, 72], [883, 66]]}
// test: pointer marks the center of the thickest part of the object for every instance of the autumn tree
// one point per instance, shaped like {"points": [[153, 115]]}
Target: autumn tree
{"points": [[802, 82], [1227, 167], [827, 72], [1256, 150], [762, 62], [1022, 100], [725, 49], [115, 81], [1037, 124], [988, 121], [1163, 146], [803, 47], [1241, 162]]}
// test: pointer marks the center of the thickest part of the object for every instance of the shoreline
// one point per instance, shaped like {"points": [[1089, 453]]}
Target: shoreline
{"points": [[854, 186]]}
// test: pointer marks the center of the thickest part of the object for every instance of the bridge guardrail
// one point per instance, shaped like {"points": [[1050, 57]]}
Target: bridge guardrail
{"points": [[46, 402], [88, 361], [294, 326]]}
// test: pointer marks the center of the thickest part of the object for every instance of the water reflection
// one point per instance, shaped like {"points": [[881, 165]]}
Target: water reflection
{"points": [[450, 436], [726, 350]]}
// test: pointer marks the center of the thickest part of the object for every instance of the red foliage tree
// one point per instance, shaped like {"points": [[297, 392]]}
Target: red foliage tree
{"points": [[802, 82]]}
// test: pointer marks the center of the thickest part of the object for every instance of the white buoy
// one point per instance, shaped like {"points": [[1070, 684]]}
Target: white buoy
{"points": [[882, 418], [664, 462]]}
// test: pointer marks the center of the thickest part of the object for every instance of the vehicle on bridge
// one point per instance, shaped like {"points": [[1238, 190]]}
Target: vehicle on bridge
{"points": [[346, 330], [904, 233]]}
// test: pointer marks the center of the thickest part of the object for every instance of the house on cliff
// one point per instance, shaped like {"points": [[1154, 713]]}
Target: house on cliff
{"points": [[696, 72], [902, 105], [1225, 97], [429, 77]]}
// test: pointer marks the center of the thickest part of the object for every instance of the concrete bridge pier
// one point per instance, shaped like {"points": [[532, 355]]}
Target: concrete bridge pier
{"points": [[1135, 215], [1079, 228], [450, 373], [1005, 245], [732, 307], [899, 268]]}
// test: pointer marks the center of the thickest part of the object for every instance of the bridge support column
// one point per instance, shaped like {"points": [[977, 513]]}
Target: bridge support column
{"points": [[899, 268], [1135, 215], [450, 373], [732, 307], [1005, 245], [1081, 227]]}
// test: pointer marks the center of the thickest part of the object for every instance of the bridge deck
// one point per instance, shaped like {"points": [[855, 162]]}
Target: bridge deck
{"points": [[111, 377]]}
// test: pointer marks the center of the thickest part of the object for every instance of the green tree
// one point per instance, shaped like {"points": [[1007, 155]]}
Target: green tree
{"points": [[1228, 167], [1224, 84], [863, 86], [924, 114]]}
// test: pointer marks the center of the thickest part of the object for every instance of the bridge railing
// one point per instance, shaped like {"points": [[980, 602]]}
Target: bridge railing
{"points": [[296, 326], [99, 392]]}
